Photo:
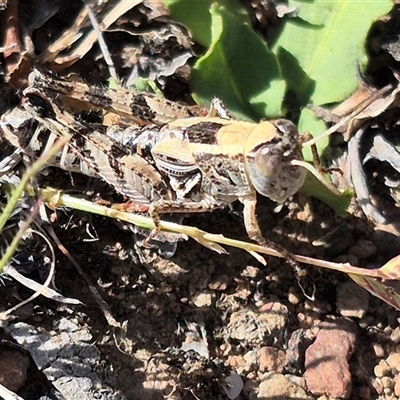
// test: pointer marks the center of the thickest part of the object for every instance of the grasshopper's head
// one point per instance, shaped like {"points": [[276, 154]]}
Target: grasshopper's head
{"points": [[269, 151]]}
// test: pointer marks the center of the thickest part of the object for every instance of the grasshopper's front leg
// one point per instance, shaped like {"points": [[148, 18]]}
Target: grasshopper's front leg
{"points": [[250, 220], [253, 228], [254, 232]]}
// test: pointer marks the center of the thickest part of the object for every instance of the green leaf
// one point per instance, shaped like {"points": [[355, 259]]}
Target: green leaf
{"points": [[326, 43], [147, 85], [196, 16], [239, 69], [339, 203], [312, 187]]}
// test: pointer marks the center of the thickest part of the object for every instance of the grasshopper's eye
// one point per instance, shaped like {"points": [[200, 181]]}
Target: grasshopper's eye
{"points": [[269, 150], [286, 128]]}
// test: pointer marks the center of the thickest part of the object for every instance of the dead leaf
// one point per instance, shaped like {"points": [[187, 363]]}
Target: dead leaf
{"points": [[75, 33], [383, 151]]}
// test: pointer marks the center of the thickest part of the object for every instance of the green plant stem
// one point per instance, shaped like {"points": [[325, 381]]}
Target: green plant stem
{"points": [[18, 193], [55, 198]]}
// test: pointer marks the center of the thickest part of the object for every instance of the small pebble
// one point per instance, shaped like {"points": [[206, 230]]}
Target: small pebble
{"points": [[388, 392], [394, 361], [377, 385], [315, 329], [250, 272], [271, 359], [277, 386], [387, 331], [238, 364], [202, 300], [293, 297], [251, 360], [308, 319], [378, 350], [395, 335], [220, 283], [382, 369], [387, 382], [351, 300], [252, 375]]}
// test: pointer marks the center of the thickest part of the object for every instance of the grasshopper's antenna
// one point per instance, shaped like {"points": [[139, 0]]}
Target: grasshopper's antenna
{"points": [[318, 175]]}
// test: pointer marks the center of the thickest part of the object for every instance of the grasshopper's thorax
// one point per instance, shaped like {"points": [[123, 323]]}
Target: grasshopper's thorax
{"points": [[268, 153]]}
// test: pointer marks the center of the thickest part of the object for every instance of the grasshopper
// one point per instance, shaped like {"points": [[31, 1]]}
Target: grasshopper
{"points": [[211, 162], [168, 165]]}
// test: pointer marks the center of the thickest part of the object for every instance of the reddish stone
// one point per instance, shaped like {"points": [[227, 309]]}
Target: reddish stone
{"points": [[326, 360]]}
